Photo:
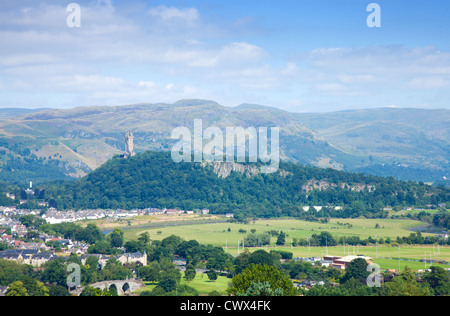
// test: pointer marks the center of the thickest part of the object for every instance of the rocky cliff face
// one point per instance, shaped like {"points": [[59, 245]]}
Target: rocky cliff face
{"points": [[223, 169]]}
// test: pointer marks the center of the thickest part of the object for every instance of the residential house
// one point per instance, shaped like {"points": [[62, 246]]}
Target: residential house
{"points": [[42, 257], [136, 257]]}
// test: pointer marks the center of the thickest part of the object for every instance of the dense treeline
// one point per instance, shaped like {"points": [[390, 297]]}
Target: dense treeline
{"points": [[16, 169], [326, 239], [152, 179], [89, 234]]}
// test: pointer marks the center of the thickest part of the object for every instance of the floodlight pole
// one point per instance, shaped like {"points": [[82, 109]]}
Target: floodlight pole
{"points": [[376, 246]]}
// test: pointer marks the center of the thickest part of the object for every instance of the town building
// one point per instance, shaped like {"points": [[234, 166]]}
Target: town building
{"points": [[339, 262]]}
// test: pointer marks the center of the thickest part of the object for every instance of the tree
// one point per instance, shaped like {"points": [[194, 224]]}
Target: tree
{"points": [[11, 271], [404, 285], [352, 287], [16, 289], [171, 243], [261, 289], [261, 257], [257, 273], [212, 275], [169, 277], [241, 262], [116, 238], [281, 240], [55, 272], [90, 291], [439, 280], [168, 285], [356, 269], [92, 263], [34, 287], [326, 239], [150, 273], [58, 290], [255, 240], [114, 270], [144, 240], [132, 246], [190, 272], [90, 234]]}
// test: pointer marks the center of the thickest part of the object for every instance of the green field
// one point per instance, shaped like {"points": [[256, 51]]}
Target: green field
{"points": [[218, 234], [201, 283], [394, 264]]}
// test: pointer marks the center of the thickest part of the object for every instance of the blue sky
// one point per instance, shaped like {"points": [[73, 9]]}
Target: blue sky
{"points": [[301, 56]]}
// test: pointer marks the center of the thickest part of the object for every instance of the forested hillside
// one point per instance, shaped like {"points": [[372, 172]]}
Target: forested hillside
{"points": [[152, 179]]}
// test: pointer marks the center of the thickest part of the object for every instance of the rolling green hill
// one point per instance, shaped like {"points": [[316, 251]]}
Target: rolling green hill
{"points": [[153, 179]]}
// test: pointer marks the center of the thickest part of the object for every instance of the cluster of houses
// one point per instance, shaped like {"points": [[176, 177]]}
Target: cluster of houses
{"points": [[9, 223], [37, 252], [53, 216], [33, 257], [37, 258]]}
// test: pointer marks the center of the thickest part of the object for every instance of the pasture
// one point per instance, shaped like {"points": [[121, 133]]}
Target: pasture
{"points": [[228, 236]]}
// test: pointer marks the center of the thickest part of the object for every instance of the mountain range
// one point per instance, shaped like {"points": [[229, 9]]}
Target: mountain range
{"points": [[47, 144]]}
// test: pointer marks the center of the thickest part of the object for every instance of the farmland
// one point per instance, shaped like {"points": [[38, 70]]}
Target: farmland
{"points": [[228, 235]]}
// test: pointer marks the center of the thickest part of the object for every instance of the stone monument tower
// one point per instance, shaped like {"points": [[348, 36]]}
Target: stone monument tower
{"points": [[129, 146]]}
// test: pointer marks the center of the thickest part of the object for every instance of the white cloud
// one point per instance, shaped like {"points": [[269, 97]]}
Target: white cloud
{"points": [[337, 89], [429, 83], [290, 69], [26, 59], [358, 78], [87, 83], [379, 72], [241, 52], [146, 84], [233, 54], [172, 13]]}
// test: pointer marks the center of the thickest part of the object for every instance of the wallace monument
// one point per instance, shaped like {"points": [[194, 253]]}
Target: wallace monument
{"points": [[129, 146]]}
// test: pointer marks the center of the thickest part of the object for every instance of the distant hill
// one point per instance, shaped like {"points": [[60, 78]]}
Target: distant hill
{"points": [[11, 112], [407, 143], [153, 179]]}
